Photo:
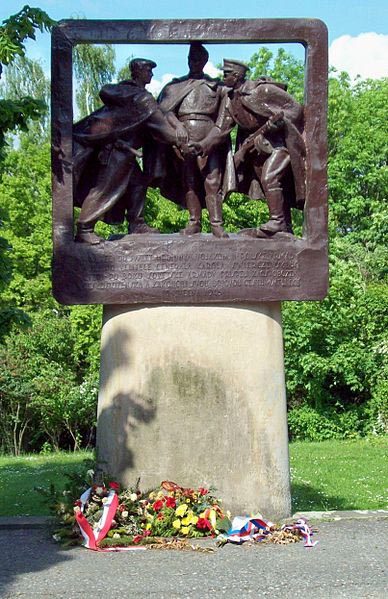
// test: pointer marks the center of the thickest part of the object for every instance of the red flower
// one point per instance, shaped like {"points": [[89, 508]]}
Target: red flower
{"points": [[203, 491], [78, 503], [115, 486], [157, 506], [137, 539], [170, 502], [160, 516], [204, 523]]}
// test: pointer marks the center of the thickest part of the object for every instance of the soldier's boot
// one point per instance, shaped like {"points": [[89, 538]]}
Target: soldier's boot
{"points": [[135, 218], [194, 207], [85, 234], [138, 226], [277, 222], [214, 206]]}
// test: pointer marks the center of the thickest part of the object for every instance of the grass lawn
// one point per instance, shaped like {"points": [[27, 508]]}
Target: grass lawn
{"points": [[331, 475], [340, 475], [20, 476]]}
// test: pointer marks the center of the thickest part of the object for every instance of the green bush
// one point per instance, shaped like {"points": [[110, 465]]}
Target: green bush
{"points": [[310, 424]]}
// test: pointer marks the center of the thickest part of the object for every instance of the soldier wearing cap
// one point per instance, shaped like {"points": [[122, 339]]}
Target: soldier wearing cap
{"points": [[270, 150], [108, 181], [191, 103]]}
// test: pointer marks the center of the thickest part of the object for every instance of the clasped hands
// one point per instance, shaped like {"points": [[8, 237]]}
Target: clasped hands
{"points": [[186, 146]]}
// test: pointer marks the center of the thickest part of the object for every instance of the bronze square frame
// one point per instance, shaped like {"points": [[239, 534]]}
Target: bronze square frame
{"points": [[169, 269]]}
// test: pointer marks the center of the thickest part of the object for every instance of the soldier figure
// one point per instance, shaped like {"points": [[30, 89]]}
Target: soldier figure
{"points": [[270, 148], [191, 104], [108, 181]]}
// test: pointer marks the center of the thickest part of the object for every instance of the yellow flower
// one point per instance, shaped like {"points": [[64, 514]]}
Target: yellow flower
{"points": [[148, 526], [213, 518], [176, 524], [188, 500], [160, 495], [185, 530], [181, 510], [152, 495], [189, 518]]}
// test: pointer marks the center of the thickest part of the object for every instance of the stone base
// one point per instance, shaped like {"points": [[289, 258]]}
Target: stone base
{"points": [[197, 395]]}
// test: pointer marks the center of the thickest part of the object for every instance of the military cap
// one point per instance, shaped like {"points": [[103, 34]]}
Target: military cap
{"points": [[141, 62], [234, 65]]}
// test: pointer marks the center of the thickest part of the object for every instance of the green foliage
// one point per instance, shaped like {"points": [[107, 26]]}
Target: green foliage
{"points": [[163, 214], [25, 194], [284, 67], [19, 477], [43, 393], [358, 173], [25, 79], [93, 68], [15, 114], [310, 424], [335, 350], [19, 27]]}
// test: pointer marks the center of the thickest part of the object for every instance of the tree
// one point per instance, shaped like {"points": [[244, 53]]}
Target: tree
{"points": [[284, 67], [15, 114], [93, 68], [336, 350], [26, 78]]}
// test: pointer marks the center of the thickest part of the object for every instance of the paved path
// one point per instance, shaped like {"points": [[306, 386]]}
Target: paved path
{"points": [[350, 561]]}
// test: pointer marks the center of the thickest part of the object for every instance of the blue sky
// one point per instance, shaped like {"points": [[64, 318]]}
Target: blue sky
{"points": [[357, 29]]}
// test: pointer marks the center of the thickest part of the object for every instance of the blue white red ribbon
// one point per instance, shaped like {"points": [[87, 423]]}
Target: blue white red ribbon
{"points": [[248, 529], [256, 529], [304, 529]]}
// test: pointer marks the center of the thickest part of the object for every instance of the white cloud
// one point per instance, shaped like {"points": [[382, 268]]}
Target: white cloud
{"points": [[211, 70], [155, 86], [364, 55]]}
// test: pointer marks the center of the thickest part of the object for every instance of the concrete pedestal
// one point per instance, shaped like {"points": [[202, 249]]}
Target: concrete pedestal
{"points": [[196, 394]]}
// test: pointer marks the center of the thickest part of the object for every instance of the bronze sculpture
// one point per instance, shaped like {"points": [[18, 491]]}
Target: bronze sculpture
{"points": [[270, 148], [193, 269], [194, 115], [191, 104], [108, 181]]}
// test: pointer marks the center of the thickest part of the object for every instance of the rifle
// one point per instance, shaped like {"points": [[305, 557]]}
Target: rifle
{"points": [[249, 144]]}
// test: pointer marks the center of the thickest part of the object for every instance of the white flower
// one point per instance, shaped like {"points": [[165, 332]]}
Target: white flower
{"points": [[133, 496], [124, 514], [99, 490], [116, 535]]}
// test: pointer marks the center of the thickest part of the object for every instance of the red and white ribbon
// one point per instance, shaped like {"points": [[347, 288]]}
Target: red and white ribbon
{"points": [[94, 535]]}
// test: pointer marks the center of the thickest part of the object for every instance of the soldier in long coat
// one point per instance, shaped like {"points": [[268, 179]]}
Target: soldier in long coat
{"points": [[108, 181], [270, 149], [191, 105]]}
